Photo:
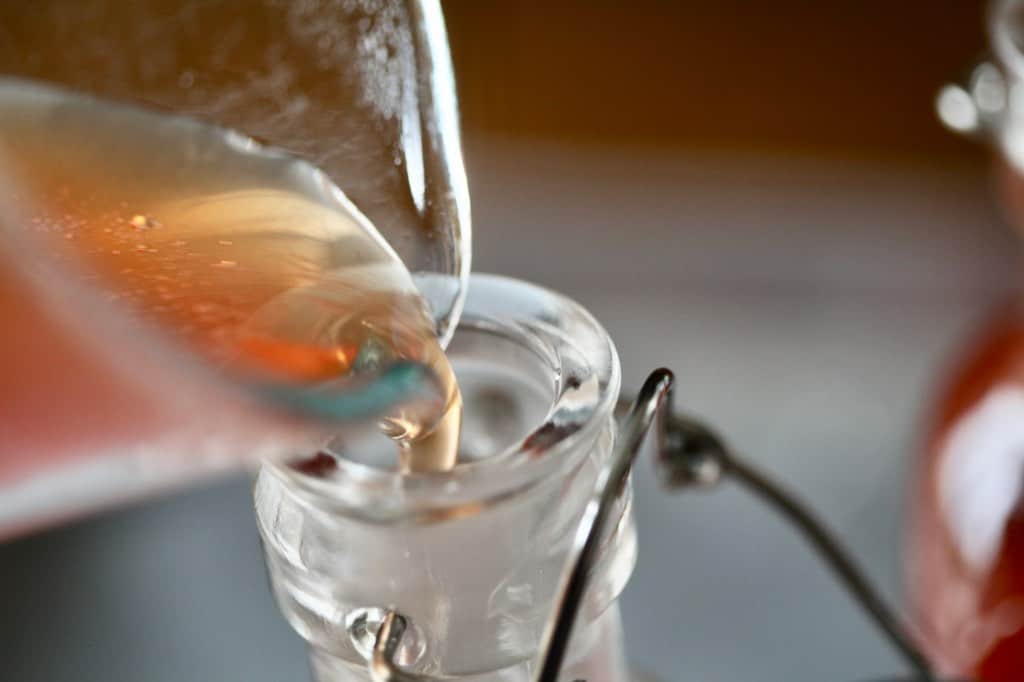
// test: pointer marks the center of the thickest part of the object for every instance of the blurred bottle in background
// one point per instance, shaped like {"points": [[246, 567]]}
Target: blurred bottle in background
{"points": [[966, 572]]}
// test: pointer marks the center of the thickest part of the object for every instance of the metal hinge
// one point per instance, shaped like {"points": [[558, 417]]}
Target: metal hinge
{"points": [[689, 455]]}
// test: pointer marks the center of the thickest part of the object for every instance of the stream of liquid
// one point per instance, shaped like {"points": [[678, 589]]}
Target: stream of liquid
{"points": [[247, 255]]}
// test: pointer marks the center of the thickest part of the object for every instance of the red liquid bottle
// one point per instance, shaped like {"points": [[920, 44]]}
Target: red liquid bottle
{"points": [[966, 557], [967, 554]]}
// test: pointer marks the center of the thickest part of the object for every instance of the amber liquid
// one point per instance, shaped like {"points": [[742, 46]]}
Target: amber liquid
{"points": [[248, 256]]}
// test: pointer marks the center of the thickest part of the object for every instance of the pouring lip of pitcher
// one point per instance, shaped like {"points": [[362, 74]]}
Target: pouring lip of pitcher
{"points": [[563, 336], [124, 342], [425, 114], [72, 295]]}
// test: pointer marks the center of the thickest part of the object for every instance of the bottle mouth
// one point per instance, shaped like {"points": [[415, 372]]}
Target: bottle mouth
{"points": [[540, 378]]}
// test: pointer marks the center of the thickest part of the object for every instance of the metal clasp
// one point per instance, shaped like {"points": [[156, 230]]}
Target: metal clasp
{"points": [[689, 455]]}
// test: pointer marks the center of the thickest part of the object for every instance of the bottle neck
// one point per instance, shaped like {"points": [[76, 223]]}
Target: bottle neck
{"points": [[471, 559], [476, 590]]}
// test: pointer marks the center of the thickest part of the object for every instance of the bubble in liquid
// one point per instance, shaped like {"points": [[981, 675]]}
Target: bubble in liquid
{"points": [[144, 222]]}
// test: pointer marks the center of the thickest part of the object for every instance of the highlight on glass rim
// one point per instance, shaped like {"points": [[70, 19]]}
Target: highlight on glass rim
{"points": [[717, 377]]}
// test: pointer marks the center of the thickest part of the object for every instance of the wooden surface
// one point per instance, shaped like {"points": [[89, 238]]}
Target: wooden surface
{"points": [[840, 77]]}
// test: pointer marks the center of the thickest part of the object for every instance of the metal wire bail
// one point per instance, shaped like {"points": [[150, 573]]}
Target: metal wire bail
{"points": [[689, 455]]}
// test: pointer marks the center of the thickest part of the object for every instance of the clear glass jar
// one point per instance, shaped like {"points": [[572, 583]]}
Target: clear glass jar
{"points": [[473, 557]]}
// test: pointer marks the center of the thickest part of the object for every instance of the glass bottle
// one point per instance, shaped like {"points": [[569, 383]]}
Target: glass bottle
{"points": [[471, 558], [966, 563]]}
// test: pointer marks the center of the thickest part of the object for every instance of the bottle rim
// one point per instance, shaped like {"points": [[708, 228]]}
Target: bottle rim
{"points": [[560, 334]]}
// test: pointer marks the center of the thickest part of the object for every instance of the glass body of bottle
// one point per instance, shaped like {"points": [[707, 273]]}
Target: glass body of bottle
{"points": [[473, 557]]}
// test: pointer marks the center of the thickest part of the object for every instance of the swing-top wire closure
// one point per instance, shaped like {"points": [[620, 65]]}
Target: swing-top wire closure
{"points": [[689, 455]]}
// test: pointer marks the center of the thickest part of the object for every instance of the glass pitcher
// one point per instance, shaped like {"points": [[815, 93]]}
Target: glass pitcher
{"points": [[97, 405]]}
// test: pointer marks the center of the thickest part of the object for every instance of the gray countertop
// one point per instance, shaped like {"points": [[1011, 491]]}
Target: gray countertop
{"points": [[808, 307]]}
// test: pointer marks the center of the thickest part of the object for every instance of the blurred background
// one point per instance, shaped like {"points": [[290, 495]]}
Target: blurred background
{"points": [[757, 195]]}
